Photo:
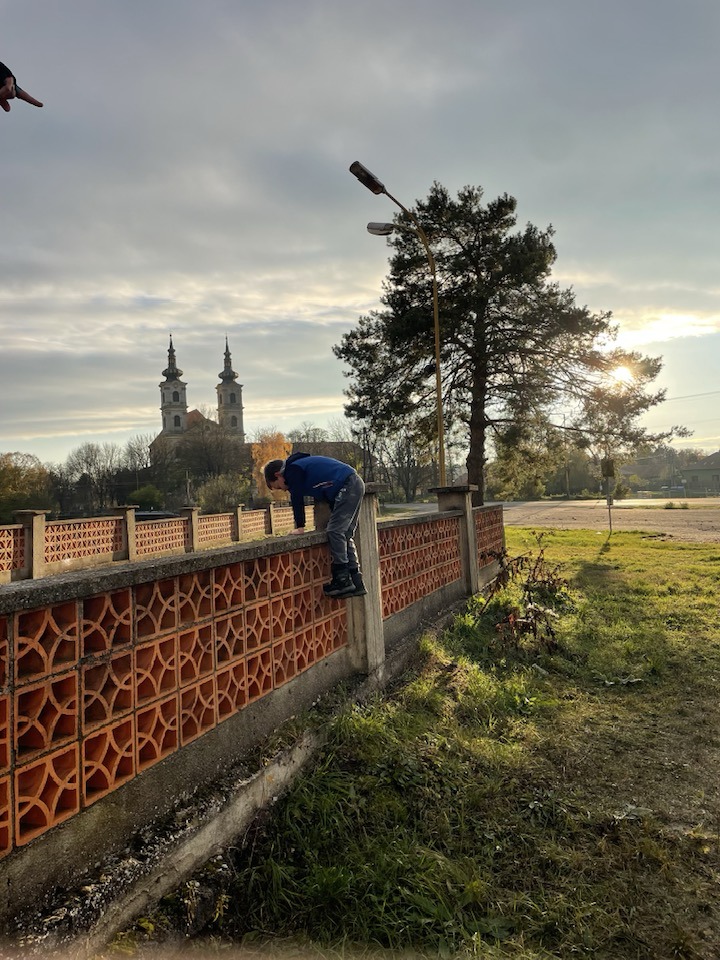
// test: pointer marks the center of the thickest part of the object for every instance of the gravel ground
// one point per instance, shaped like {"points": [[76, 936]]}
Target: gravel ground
{"points": [[699, 523]]}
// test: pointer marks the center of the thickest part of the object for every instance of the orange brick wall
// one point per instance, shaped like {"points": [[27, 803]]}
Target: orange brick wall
{"points": [[95, 691], [489, 533], [417, 559]]}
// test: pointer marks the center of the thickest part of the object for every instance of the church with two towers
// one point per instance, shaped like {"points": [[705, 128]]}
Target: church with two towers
{"points": [[177, 420]]}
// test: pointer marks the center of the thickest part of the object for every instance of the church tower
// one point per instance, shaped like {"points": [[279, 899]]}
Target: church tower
{"points": [[173, 401], [230, 406]]}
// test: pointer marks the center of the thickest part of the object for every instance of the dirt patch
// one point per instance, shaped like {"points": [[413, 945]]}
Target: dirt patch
{"points": [[695, 524]]}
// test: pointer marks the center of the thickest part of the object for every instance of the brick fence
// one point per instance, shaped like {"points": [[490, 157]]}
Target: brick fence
{"points": [[126, 686], [35, 547]]}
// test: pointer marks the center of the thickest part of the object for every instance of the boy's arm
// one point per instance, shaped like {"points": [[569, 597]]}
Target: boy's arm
{"points": [[297, 501]]}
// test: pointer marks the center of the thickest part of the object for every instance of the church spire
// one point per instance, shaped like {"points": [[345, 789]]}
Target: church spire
{"points": [[230, 406], [227, 373], [172, 372]]}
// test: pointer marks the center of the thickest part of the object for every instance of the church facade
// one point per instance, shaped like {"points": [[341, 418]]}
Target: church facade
{"points": [[179, 423], [177, 420]]}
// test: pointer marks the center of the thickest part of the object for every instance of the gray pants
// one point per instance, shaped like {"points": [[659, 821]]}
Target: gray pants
{"points": [[343, 523]]}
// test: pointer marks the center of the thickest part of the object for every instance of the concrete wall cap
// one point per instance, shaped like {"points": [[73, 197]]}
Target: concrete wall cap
{"points": [[461, 488]]}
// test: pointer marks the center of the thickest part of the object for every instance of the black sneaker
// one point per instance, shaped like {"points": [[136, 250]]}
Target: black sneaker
{"points": [[356, 577], [341, 585]]}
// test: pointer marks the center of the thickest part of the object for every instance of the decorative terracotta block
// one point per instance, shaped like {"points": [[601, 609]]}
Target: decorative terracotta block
{"points": [[197, 710], [108, 689], [46, 716], [5, 817], [330, 635], [195, 654], [284, 667], [324, 607], [304, 649], [258, 625], [46, 641], [155, 608], [303, 568], [259, 674], [155, 669], [256, 579], [303, 605], [230, 637], [46, 793], [229, 587], [108, 759], [282, 615], [319, 563], [284, 573], [231, 688], [106, 622], [157, 732], [195, 597]]}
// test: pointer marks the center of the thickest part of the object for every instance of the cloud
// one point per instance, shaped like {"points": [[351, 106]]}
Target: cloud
{"points": [[188, 174]]}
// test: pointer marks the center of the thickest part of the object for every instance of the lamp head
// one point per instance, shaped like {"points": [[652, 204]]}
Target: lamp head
{"points": [[380, 229], [366, 178]]}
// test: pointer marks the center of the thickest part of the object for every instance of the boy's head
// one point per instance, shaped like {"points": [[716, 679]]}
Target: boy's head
{"points": [[274, 480]]}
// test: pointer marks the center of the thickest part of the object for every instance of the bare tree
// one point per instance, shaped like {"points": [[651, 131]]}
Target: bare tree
{"points": [[94, 466], [136, 455], [307, 432]]}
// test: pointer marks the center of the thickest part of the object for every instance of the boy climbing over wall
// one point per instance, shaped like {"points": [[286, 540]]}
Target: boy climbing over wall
{"points": [[337, 484]]}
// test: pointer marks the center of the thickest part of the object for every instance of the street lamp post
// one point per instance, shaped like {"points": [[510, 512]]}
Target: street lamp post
{"points": [[369, 180]]}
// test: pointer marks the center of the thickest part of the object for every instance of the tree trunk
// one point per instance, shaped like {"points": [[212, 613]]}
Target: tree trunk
{"points": [[476, 454]]}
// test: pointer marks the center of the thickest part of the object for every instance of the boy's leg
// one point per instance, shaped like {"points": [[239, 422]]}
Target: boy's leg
{"points": [[343, 521], [340, 529]]}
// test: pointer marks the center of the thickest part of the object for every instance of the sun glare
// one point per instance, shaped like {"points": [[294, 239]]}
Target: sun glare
{"points": [[622, 376]]}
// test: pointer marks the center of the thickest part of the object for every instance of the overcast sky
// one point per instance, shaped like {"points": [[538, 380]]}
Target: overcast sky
{"points": [[188, 174]]}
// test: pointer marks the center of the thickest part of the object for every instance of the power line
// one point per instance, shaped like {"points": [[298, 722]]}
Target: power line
{"points": [[692, 396]]}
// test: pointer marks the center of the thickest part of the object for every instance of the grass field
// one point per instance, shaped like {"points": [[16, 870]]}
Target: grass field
{"points": [[545, 785]]}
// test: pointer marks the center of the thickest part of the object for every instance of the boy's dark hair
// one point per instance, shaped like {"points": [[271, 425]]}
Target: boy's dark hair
{"points": [[271, 469]]}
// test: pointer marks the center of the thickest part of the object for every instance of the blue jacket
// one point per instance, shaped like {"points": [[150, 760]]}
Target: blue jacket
{"points": [[318, 477]]}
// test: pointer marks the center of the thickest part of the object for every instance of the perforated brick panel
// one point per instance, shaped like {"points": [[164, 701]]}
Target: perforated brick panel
{"points": [[489, 532], [416, 559], [103, 688]]}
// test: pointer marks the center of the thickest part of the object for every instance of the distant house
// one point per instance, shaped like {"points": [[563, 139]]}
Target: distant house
{"points": [[703, 476]]}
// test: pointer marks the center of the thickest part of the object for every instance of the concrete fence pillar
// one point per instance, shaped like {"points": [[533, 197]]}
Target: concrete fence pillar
{"points": [[34, 523], [365, 622], [460, 498], [238, 521], [192, 514], [127, 512]]}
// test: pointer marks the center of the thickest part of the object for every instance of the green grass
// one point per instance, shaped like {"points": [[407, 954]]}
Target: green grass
{"points": [[522, 795]]}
